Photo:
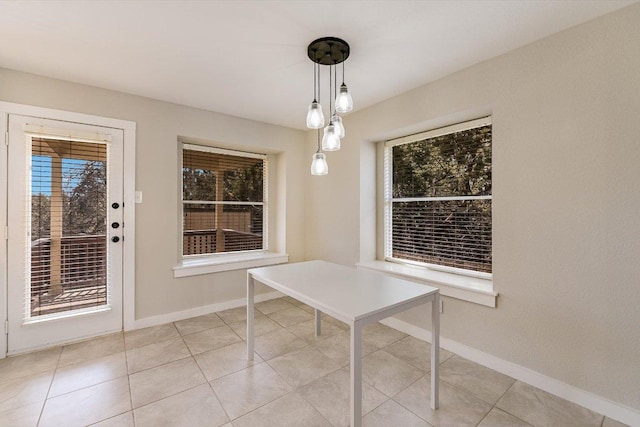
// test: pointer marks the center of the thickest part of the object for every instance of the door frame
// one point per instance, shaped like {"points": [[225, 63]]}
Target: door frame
{"points": [[129, 175]]}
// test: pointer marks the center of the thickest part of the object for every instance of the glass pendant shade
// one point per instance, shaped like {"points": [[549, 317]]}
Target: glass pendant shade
{"points": [[315, 118], [337, 122], [319, 164], [330, 140], [344, 102]]}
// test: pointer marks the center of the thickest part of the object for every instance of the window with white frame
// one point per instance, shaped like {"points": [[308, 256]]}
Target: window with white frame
{"points": [[437, 190], [224, 201]]}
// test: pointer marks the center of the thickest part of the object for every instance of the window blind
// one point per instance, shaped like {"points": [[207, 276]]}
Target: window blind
{"points": [[68, 264], [438, 197], [223, 201]]}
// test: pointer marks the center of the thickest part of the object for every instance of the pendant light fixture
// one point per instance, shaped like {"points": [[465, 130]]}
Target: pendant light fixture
{"points": [[319, 163], [329, 51], [344, 102], [315, 118], [331, 138], [337, 122], [336, 119]]}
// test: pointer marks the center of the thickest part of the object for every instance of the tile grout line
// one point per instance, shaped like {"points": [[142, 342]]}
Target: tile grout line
{"points": [[371, 385], [192, 356], [218, 399], [46, 397], [410, 411], [496, 402], [86, 387], [293, 389], [165, 397], [313, 407], [493, 405], [484, 416], [188, 348], [441, 381], [412, 383], [265, 361], [126, 366], [154, 342], [207, 382], [258, 407]]}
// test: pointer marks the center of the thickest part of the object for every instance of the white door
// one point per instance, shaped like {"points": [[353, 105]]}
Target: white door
{"points": [[65, 192]]}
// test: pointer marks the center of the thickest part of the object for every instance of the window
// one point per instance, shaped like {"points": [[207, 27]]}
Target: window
{"points": [[224, 201], [437, 188]]}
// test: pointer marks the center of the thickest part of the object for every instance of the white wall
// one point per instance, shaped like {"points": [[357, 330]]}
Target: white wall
{"points": [[157, 175], [566, 201]]}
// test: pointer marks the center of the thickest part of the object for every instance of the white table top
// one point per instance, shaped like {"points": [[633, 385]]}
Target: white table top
{"points": [[343, 292]]}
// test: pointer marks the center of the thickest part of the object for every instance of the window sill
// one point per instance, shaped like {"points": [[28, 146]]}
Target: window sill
{"points": [[227, 263], [472, 289]]}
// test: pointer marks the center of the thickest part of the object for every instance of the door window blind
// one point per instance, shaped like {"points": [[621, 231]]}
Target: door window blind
{"points": [[67, 197], [224, 206], [438, 197]]}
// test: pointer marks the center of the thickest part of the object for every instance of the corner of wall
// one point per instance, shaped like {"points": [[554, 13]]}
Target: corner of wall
{"points": [[368, 201]]}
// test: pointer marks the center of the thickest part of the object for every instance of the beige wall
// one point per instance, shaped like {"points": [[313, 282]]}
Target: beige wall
{"points": [[566, 208], [157, 175]]}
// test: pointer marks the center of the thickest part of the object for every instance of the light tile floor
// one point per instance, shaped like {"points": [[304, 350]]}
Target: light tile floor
{"points": [[194, 373]]}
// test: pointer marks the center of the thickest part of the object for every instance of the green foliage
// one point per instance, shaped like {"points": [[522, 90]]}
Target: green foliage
{"points": [[244, 184], [85, 206], [198, 184], [240, 184], [40, 216], [457, 164], [454, 233]]}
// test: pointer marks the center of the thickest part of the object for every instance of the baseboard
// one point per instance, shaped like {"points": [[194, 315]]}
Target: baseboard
{"points": [[61, 343], [573, 394], [199, 311]]}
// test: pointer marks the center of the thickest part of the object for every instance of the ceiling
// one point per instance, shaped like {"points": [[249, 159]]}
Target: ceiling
{"points": [[248, 58]]}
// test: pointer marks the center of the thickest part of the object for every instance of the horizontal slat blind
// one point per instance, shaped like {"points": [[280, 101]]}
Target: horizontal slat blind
{"points": [[76, 135], [446, 130], [67, 268], [438, 198], [223, 201]]}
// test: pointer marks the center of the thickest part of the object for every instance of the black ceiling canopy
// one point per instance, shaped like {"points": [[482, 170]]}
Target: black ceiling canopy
{"points": [[328, 50]]}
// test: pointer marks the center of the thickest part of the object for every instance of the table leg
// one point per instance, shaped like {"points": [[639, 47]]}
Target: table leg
{"points": [[435, 351], [250, 291], [356, 374], [318, 315]]}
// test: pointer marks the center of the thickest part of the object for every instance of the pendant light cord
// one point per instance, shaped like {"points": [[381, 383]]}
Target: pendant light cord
{"points": [[335, 81], [315, 92], [330, 94], [319, 91]]}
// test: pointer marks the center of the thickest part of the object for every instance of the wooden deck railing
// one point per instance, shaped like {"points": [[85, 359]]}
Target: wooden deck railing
{"points": [[205, 242], [83, 274]]}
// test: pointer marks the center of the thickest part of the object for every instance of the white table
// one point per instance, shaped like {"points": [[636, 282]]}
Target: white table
{"points": [[355, 297]]}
